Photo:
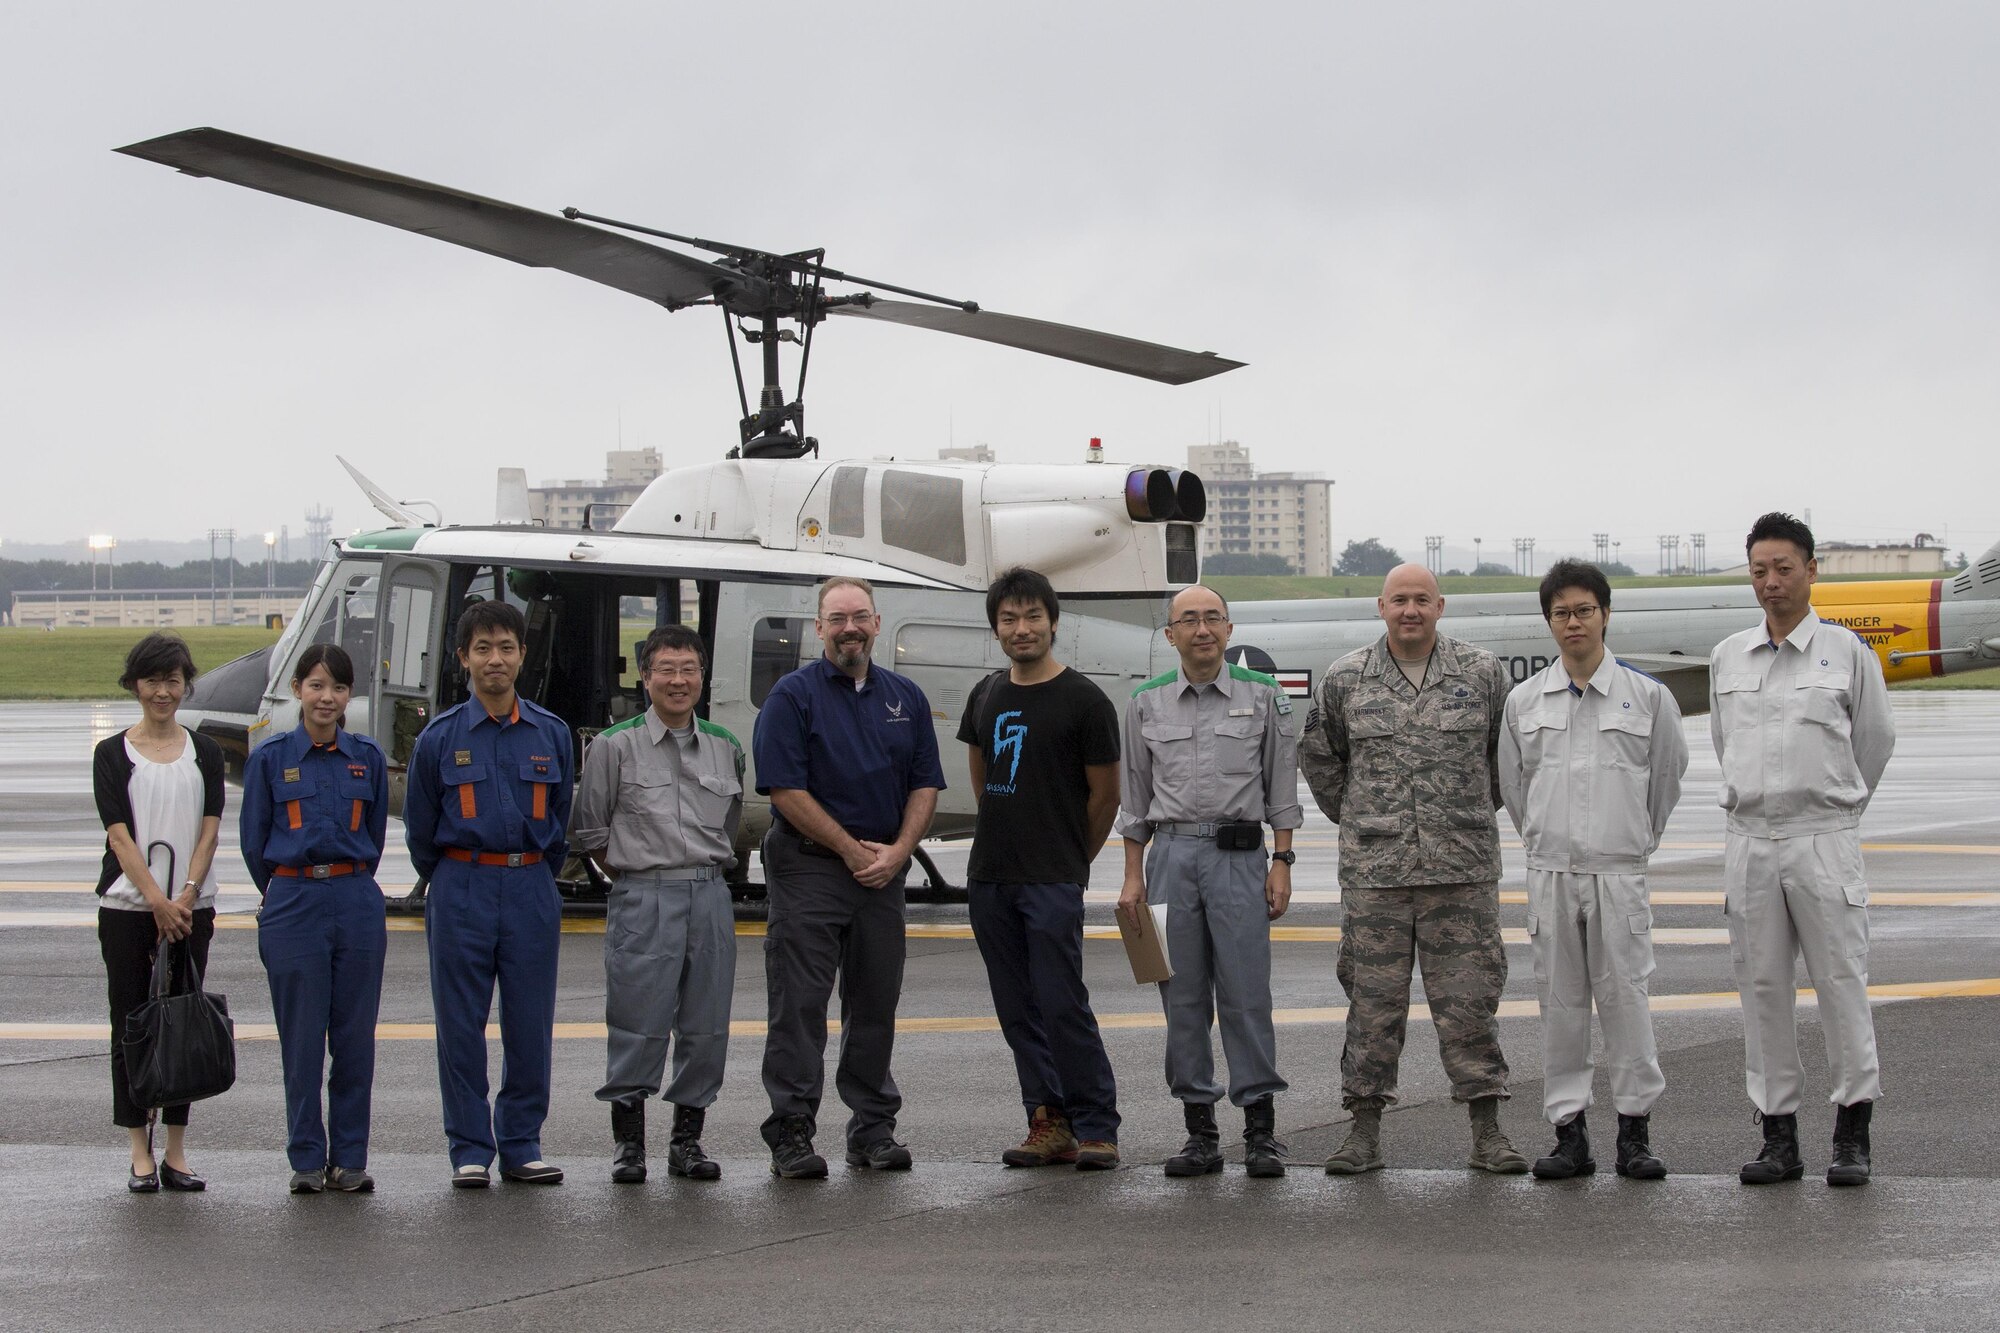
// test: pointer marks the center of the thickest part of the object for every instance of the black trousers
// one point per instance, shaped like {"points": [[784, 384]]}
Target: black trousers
{"points": [[128, 940], [822, 923]]}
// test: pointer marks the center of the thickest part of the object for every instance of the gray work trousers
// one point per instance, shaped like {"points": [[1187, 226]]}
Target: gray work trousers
{"points": [[1807, 897], [1219, 942], [1593, 942], [669, 972], [822, 922]]}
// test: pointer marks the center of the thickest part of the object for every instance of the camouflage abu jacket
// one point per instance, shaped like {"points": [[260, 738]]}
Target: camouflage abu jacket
{"points": [[1409, 774]]}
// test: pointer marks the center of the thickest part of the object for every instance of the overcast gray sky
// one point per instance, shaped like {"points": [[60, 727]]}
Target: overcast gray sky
{"points": [[1498, 269]]}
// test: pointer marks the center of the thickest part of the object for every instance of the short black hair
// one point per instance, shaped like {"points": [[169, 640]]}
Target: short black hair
{"points": [[1574, 574], [490, 616], [1778, 526], [158, 654], [329, 655], [678, 637], [1021, 584]]}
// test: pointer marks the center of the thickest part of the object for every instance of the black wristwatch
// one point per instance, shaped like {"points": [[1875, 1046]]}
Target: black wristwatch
{"points": [[1288, 856]]}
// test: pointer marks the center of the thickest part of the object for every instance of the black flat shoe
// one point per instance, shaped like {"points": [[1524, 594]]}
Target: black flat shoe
{"points": [[146, 1184], [187, 1182]]}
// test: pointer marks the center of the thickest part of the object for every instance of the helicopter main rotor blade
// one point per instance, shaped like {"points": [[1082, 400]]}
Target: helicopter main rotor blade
{"points": [[538, 240], [1107, 351]]}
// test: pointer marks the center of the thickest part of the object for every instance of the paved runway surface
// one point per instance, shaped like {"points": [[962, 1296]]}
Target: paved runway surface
{"points": [[964, 1243]]}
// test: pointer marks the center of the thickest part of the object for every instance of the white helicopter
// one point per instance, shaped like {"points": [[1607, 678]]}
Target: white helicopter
{"points": [[736, 546]]}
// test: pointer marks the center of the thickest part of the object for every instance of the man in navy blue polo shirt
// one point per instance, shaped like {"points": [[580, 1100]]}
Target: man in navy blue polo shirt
{"points": [[849, 758]]}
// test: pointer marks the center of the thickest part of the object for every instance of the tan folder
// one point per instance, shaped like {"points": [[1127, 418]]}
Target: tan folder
{"points": [[1146, 946]]}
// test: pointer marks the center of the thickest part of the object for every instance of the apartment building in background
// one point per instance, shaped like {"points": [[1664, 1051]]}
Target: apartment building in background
{"points": [[1285, 514], [564, 504]]}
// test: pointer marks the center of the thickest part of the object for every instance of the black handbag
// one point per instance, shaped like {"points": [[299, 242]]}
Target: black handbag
{"points": [[180, 1045]]}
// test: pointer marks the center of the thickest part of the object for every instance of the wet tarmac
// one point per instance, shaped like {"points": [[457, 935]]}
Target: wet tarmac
{"points": [[964, 1243]]}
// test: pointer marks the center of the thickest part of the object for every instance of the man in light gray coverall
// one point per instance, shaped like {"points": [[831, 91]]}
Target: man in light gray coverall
{"points": [[1800, 716], [1590, 764], [657, 807], [1210, 757]]}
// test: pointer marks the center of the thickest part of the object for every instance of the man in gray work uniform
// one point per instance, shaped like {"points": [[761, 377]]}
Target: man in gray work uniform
{"points": [[1800, 718], [1399, 752], [1591, 758], [657, 807], [1209, 759]]}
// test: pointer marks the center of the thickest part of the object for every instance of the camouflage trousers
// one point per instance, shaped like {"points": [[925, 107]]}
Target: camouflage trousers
{"points": [[1451, 931]]}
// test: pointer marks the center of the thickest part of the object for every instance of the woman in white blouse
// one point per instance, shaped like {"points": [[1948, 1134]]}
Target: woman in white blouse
{"points": [[156, 782]]}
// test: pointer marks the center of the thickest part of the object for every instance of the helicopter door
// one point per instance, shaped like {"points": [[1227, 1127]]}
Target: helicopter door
{"points": [[410, 637]]}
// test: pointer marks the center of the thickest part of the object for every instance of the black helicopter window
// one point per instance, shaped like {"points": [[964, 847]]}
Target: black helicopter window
{"points": [[843, 517], [779, 645], [924, 512]]}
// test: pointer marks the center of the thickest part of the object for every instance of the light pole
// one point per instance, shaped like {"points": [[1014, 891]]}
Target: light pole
{"points": [[102, 542], [1477, 560], [270, 553]]}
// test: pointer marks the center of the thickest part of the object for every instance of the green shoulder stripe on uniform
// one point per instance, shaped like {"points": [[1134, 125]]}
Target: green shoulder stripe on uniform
{"points": [[724, 732], [1254, 677], [1164, 678], [638, 720]]}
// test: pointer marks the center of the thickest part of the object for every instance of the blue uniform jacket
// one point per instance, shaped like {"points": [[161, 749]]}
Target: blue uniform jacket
{"points": [[489, 785], [307, 805]]}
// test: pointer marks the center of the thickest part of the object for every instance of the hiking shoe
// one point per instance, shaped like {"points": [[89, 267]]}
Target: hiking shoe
{"points": [[1049, 1140]]}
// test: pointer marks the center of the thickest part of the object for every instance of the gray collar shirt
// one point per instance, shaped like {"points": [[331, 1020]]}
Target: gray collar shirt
{"points": [[649, 800], [1590, 776], [1802, 728], [1224, 750]]}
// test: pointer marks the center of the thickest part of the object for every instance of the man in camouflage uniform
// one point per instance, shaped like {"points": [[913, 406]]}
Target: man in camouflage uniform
{"points": [[1399, 752]]}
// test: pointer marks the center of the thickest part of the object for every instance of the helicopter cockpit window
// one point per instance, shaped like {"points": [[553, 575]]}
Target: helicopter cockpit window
{"points": [[843, 517], [925, 513], [357, 629], [779, 645]]}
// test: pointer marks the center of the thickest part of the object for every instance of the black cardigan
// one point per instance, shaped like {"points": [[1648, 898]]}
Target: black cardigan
{"points": [[111, 780]]}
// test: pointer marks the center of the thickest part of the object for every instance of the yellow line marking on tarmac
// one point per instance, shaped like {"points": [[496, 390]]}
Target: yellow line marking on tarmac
{"points": [[1973, 987]]}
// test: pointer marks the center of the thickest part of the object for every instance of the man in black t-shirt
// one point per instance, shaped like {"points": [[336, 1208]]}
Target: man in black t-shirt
{"points": [[1042, 743]]}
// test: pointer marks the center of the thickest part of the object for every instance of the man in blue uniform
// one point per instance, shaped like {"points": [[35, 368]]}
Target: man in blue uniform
{"points": [[848, 756], [488, 800]]}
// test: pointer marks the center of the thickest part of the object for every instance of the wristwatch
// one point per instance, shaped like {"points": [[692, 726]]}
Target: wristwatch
{"points": [[1288, 856]]}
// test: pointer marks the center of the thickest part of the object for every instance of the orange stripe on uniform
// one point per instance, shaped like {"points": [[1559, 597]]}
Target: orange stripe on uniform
{"points": [[467, 807], [541, 800], [293, 819], [354, 819]]}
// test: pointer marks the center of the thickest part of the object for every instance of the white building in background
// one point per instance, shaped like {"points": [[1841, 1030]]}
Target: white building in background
{"points": [[970, 453], [566, 504], [1286, 514], [1848, 559], [155, 608]]}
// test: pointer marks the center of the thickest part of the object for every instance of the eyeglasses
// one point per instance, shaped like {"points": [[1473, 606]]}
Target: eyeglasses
{"points": [[1562, 615], [860, 620], [1210, 619], [686, 672]]}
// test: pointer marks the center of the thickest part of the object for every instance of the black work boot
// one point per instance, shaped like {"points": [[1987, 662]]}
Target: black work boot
{"points": [[1780, 1158], [1202, 1153], [684, 1154], [1572, 1155], [628, 1132], [1635, 1149], [1850, 1145], [1263, 1155], [792, 1156]]}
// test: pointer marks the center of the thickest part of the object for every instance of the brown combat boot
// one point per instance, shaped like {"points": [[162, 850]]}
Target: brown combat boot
{"points": [[1362, 1149], [1491, 1150]]}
